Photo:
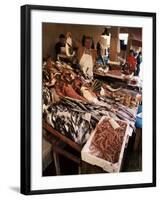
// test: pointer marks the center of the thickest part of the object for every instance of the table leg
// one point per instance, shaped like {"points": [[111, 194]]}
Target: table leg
{"points": [[56, 162], [137, 143]]}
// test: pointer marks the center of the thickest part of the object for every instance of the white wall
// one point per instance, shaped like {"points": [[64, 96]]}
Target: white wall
{"points": [[10, 95]]}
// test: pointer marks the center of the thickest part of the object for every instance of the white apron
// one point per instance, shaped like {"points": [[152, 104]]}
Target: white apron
{"points": [[68, 46], [86, 64]]}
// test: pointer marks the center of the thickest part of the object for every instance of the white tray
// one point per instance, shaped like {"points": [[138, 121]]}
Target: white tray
{"points": [[104, 164]]}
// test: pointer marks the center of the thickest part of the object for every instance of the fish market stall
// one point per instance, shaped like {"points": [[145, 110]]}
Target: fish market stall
{"points": [[73, 109], [91, 92]]}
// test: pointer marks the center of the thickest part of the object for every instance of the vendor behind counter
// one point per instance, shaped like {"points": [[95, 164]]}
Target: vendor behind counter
{"points": [[132, 62], [87, 57], [60, 45]]}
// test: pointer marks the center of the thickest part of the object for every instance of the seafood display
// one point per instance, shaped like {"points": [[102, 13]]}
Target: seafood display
{"points": [[115, 72], [108, 139], [70, 92], [101, 69], [96, 85], [73, 106], [121, 95], [74, 118], [73, 124]]}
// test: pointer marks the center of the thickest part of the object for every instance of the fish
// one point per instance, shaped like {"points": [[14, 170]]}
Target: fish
{"points": [[69, 122], [70, 117]]}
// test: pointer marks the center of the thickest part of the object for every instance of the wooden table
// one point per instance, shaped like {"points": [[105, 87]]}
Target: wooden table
{"points": [[83, 167], [58, 141]]}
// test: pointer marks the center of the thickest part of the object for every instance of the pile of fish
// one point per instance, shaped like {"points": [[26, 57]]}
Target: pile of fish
{"points": [[122, 112], [77, 119], [70, 119], [77, 114]]}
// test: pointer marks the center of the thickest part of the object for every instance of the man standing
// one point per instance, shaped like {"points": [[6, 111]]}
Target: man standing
{"points": [[87, 57], [139, 60], [132, 62], [60, 44]]}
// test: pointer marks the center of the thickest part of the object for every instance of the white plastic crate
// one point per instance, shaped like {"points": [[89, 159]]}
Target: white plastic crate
{"points": [[104, 164]]}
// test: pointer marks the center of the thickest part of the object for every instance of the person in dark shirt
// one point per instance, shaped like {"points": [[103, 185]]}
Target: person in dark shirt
{"points": [[60, 44], [139, 60]]}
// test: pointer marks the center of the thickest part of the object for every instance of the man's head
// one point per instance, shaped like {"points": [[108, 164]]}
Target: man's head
{"points": [[131, 53], [88, 42], [62, 38]]}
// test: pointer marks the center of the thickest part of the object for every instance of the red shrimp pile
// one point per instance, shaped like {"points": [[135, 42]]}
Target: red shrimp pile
{"points": [[107, 142]]}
